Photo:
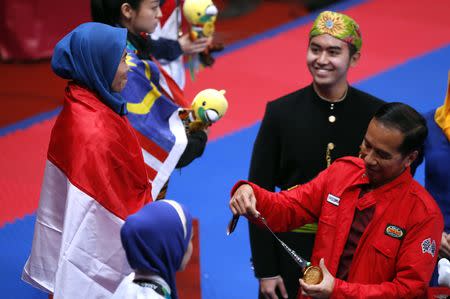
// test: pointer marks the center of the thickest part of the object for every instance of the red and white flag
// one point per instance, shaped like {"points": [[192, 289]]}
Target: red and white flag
{"points": [[95, 177]]}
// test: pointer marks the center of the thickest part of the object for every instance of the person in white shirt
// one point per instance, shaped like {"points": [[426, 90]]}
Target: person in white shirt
{"points": [[158, 243]]}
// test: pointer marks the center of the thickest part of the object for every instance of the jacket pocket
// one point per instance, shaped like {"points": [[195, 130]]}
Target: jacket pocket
{"points": [[386, 249], [384, 258]]}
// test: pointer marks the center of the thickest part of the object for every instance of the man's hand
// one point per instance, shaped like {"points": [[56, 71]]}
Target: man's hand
{"points": [[444, 250], [321, 290], [193, 47], [268, 287], [243, 201]]}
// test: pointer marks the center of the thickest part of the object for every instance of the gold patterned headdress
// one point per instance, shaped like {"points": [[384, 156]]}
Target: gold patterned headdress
{"points": [[339, 26]]}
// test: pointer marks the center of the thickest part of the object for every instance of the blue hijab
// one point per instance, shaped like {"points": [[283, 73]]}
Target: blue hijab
{"points": [[156, 238], [90, 55]]}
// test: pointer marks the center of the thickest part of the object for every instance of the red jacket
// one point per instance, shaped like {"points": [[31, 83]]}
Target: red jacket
{"points": [[398, 250]]}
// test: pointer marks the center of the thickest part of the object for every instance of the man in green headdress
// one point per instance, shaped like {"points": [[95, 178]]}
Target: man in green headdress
{"points": [[301, 134]]}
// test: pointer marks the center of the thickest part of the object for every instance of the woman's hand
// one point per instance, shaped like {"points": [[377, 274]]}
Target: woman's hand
{"points": [[193, 47]]}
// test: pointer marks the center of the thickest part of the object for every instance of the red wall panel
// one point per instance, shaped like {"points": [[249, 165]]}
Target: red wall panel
{"points": [[30, 28]]}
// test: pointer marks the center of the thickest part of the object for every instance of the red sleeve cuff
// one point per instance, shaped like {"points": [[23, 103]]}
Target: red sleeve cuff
{"points": [[237, 185], [255, 190]]}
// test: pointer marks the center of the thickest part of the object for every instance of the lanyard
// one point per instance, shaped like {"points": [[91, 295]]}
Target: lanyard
{"points": [[300, 261], [158, 288]]}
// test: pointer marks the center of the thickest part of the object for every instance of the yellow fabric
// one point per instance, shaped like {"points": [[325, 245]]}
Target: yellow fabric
{"points": [[307, 229], [442, 115]]}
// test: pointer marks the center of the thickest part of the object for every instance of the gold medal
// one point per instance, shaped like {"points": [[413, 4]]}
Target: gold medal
{"points": [[312, 275]]}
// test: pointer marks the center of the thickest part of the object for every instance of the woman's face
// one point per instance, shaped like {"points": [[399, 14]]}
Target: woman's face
{"points": [[121, 77], [143, 19]]}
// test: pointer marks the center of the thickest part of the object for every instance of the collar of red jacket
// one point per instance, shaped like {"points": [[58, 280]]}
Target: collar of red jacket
{"points": [[403, 179]]}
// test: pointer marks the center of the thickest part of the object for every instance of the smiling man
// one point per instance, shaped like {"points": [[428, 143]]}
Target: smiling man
{"points": [[301, 134], [378, 229]]}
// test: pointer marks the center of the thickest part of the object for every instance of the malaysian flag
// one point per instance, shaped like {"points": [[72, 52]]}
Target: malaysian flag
{"points": [[156, 119]]}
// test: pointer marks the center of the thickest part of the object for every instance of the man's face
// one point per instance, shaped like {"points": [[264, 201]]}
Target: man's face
{"points": [[381, 156], [328, 60]]}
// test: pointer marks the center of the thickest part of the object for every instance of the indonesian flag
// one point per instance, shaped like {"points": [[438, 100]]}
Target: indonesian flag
{"points": [[95, 177], [156, 119]]}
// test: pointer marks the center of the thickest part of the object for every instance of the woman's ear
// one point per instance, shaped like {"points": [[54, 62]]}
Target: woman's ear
{"points": [[126, 11]]}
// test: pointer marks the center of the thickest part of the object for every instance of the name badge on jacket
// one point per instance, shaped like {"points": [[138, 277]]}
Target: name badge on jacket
{"points": [[333, 199]]}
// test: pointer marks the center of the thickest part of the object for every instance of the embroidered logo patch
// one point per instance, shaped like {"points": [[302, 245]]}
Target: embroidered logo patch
{"points": [[333, 199], [394, 231], [429, 246]]}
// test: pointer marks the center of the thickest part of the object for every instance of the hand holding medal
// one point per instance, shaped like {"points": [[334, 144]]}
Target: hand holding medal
{"points": [[311, 274], [324, 288]]}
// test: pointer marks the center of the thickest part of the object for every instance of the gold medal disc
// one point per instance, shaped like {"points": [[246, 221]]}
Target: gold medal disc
{"points": [[313, 275]]}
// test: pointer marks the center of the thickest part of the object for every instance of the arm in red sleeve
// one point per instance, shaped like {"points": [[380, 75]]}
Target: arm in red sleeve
{"points": [[413, 267], [290, 209]]}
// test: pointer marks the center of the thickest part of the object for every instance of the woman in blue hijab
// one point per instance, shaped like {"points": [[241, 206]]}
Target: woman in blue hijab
{"points": [[92, 135], [95, 175], [158, 242], [93, 55]]}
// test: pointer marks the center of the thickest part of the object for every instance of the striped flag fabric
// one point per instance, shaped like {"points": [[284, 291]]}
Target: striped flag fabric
{"points": [[156, 119], [95, 177], [169, 26]]}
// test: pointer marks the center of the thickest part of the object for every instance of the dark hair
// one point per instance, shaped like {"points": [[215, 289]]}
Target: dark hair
{"points": [[108, 11], [352, 49], [408, 121]]}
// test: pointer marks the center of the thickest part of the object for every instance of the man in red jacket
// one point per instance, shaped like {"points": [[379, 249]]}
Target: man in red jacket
{"points": [[378, 230]]}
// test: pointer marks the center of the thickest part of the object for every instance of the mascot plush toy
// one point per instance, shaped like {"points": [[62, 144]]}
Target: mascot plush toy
{"points": [[208, 107], [201, 15]]}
